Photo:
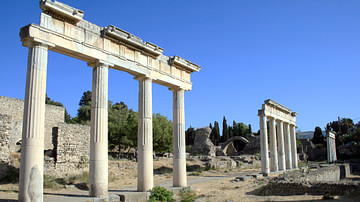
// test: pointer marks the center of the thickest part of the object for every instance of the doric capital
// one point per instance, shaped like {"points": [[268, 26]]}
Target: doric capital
{"points": [[176, 89], [143, 78], [99, 63], [31, 42]]}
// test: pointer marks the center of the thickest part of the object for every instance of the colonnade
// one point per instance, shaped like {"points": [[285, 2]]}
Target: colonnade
{"points": [[62, 29], [32, 148], [282, 138]]}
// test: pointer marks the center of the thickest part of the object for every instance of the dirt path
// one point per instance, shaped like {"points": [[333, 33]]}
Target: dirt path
{"points": [[212, 185]]}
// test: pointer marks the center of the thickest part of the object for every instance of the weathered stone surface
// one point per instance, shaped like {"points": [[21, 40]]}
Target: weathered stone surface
{"points": [[35, 185], [244, 178], [202, 143], [319, 181], [253, 146], [15, 109]]}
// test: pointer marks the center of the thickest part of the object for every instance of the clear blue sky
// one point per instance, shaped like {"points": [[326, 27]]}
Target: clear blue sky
{"points": [[304, 54]]}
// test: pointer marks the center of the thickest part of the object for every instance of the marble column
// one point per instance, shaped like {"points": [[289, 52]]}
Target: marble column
{"points": [[287, 146], [264, 145], [294, 156], [179, 150], [145, 137], [99, 132], [273, 147], [32, 147], [281, 147]]}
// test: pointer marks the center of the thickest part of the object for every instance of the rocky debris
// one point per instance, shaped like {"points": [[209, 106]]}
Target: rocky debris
{"points": [[253, 146], [202, 143], [312, 181]]}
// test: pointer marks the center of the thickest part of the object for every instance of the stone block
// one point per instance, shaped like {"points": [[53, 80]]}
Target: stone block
{"points": [[244, 178]]}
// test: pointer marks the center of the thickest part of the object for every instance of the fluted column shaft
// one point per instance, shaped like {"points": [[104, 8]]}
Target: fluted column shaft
{"points": [[273, 147], [179, 150], [32, 146], [145, 136], [287, 146], [264, 145], [281, 147], [99, 132], [294, 156]]}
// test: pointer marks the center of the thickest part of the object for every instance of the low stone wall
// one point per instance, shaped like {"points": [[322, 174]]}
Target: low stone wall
{"points": [[5, 126], [72, 151], [320, 181], [15, 109], [333, 188]]}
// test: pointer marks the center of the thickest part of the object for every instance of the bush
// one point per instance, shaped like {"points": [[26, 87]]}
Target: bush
{"points": [[50, 182], [161, 194], [188, 195], [11, 176]]}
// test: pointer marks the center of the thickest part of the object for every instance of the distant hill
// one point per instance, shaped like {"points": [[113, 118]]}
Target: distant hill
{"points": [[308, 134]]}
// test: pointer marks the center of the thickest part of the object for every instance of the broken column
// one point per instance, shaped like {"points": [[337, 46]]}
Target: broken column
{"points": [[331, 146]]}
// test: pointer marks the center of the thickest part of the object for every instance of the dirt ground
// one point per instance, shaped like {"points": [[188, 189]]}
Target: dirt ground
{"points": [[210, 185]]}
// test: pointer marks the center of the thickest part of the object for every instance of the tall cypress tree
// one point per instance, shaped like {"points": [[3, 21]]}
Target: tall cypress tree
{"points": [[216, 133], [225, 134]]}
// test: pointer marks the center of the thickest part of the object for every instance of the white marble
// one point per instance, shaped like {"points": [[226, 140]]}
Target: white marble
{"points": [[32, 147], [264, 145], [274, 167], [145, 136], [288, 156], [179, 149], [281, 147], [294, 157], [98, 168]]}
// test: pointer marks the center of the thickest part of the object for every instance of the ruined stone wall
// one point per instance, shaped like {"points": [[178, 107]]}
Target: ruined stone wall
{"points": [[15, 108], [5, 126], [72, 150]]}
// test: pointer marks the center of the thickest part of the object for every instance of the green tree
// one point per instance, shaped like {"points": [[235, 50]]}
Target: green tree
{"points": [[190, 136], [215, 134], [225, 133], [162, 133], [85, 98], [318, 138]]}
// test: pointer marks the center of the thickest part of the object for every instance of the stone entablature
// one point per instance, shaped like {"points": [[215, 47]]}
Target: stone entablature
{"points": [[277, 111], [120, 49], [282, 125]]}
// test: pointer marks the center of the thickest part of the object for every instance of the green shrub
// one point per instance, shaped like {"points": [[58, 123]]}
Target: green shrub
{"points": [[327, 196], [50, 182], [11, 176], [161, 194], [188, 195]]}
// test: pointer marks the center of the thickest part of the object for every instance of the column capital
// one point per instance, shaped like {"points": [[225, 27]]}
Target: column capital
{"points": [[98, 63], [176, 89], [143, 78], [31, 42], [261, 113]]}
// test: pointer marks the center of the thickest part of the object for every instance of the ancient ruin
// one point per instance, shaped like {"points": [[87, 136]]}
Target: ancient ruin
{"points": [[283, 151], [62, 29], [331, 146]]}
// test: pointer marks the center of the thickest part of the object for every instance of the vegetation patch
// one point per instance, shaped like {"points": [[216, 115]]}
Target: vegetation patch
{"points": [[161, 194]]}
